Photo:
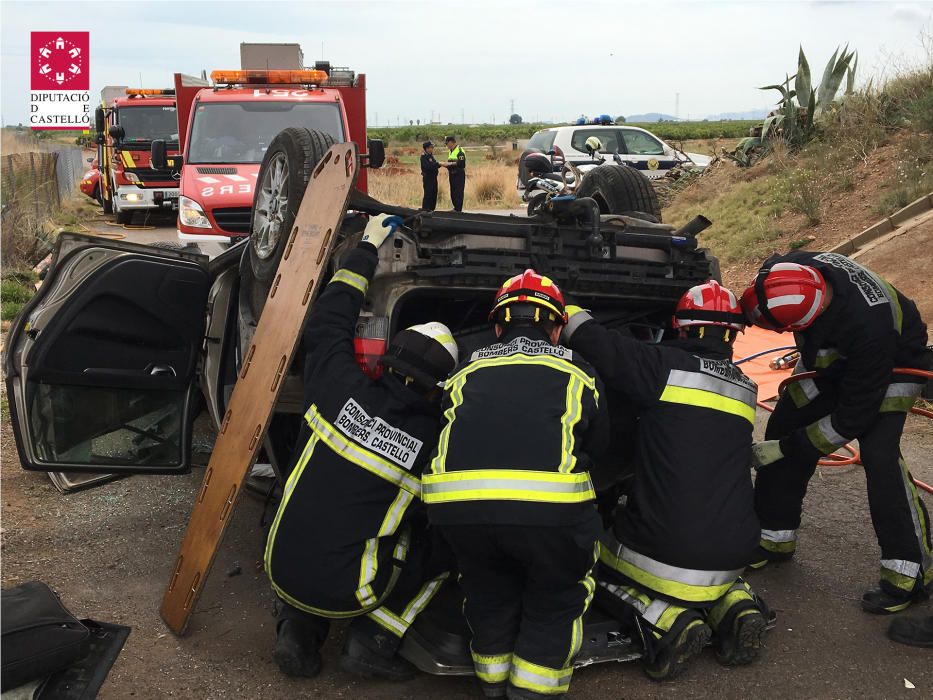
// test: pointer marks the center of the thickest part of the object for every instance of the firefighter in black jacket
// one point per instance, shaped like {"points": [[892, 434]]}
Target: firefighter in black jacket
{"points": [[456, 172], [348, 539], [510, 490], [689, 527], [852, 328], [429, 170]]}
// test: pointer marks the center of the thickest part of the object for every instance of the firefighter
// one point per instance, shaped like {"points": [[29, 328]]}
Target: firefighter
{"points": [[511, 492], [349, 540], [678, 548], [456, 172], [429, 170], [852, 328], [916, 632]]}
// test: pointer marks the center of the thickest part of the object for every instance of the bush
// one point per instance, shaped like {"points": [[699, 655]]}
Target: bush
{"points": [[486, 186], [805, 195], [13, 291]]}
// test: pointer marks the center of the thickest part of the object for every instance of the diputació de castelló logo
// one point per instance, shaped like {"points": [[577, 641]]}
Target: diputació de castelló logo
{"points": [[60, 80]]}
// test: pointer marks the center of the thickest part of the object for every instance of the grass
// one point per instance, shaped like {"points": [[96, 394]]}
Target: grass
{"points": [[502, 133], [15, 290], [490, 184]]}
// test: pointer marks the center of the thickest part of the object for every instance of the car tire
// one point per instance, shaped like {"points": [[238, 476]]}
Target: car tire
{"points": [[298, 151], [715, 272], [536, 204], [124, 216], [620, 189]]}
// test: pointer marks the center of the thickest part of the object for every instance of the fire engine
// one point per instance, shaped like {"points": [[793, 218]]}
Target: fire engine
{"points": [[126, 127], [225, 128]]}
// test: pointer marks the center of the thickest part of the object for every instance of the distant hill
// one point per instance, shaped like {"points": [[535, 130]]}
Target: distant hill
{"points": [[650, 117], [760, 113]]}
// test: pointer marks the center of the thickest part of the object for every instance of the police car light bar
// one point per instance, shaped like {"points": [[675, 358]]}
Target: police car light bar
{"points": [[269, 77]]}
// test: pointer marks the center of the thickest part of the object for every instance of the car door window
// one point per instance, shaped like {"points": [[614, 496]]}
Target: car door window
{"points": [[608, 137], [103, 369], [542, 141], [642, 144]]}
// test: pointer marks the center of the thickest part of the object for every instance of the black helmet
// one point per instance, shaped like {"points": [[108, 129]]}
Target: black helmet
{"points": [[538, 163], [426, 353]]}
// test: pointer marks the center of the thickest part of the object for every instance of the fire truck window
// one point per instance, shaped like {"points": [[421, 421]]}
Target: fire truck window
{"points": [[149, 123], [240, 132]]}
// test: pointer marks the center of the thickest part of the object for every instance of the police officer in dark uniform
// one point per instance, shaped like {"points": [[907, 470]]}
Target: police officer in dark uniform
{"points": [[511, 491], [349, 539], [456, 171], [853, 329], [429, 169], [678, 548]]}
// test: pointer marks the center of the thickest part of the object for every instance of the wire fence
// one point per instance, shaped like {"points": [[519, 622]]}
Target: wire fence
{"points": [[33, 186]]}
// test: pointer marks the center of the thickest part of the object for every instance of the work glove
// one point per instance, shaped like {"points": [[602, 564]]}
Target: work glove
{"points": [[576, 317], [379, 228], [766, 452]]}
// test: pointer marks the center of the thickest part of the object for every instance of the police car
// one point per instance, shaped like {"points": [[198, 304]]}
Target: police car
{"points": [[636, 147]]}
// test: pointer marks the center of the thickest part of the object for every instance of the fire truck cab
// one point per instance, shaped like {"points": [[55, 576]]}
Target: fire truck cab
{"points": [[226, 127], [126, 128]]}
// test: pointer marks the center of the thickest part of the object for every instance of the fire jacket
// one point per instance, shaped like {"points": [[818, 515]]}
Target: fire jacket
{"points": [[340, 536], [689, 527], [868, 329], [523, 419]]}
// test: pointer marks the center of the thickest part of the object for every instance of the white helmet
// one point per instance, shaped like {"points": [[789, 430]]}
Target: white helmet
{"points": [[593, 144], [427, 353]]}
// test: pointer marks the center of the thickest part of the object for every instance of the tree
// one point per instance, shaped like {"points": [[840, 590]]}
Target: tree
{"points": [[620, 119], [515, 119]]}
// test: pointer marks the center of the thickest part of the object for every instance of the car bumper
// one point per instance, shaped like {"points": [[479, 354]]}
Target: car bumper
{"points": [[203, 237], [130, 197]]}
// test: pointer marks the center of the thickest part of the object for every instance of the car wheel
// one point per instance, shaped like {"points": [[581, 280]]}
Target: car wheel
{"points": [[536, 203], [124, 216], [620, 189], [283, 178]]}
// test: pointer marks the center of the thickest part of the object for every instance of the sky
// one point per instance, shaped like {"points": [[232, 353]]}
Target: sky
{"points": [[466, 62]]}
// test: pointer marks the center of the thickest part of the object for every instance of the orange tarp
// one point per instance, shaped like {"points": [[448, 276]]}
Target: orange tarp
{"points": [[755, 340]]}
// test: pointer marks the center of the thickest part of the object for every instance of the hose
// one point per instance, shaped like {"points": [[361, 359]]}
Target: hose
{"points": [[836, 460]]}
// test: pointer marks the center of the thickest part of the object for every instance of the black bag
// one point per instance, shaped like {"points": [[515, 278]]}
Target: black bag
{"points": [[39, 636]]}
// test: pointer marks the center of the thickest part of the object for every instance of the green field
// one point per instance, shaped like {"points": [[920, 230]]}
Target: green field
{"points": [[488, 133]]}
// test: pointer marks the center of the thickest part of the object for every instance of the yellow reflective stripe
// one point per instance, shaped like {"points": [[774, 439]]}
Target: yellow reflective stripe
{"points": [[507, 484], [900, 396], [539, 679], [389, 621], [919, 521], [286, 496], [707, 399], [352, 279], [455, 387], [740, 593], [823, 435], [369, 563], [896, 312], [557, 363], [394, 515], [492, 669], [576, 635], [127, 159], [572, 415], [360, 456]]}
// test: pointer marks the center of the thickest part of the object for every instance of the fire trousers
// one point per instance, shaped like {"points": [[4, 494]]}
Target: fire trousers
{"points": [[898, 514], [527, 590]]}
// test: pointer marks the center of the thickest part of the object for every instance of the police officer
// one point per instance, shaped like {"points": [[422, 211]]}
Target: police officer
{"points": [[852, 329], [456, 172], [429, 170], [511, 491], [348, 539], [689, 528]]}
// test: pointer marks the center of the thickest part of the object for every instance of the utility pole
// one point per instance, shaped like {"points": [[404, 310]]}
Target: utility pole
{"points": [[377, 119], [462, 120], [512, 106], [677, 105]]}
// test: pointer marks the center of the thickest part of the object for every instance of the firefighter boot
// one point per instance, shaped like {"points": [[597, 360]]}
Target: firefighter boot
{"points": [[361, 657], [739, 620], [674, 658], [917, 632], [297, 650], [763, 557], [887, 598]]}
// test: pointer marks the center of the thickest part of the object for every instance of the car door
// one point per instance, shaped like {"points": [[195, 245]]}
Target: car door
{"points": [[101, 365], [646, 152]]}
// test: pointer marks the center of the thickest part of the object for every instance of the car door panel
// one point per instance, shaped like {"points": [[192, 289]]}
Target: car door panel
{"points": [[102, 364]]}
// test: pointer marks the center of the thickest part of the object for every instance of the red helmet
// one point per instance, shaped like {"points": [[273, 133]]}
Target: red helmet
{"points": [[529, 288], [709, 304], [785, 297]]}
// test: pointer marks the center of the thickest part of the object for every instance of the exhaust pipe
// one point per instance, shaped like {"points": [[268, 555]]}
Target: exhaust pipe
{"points": [[693, 227]]}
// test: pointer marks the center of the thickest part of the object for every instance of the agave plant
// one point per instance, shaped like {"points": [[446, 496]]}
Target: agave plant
{"points": [[802, 104]]}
